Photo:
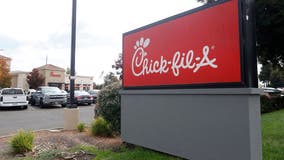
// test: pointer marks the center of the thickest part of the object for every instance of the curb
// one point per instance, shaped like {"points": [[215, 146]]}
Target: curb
{"points": [[39, 130]]}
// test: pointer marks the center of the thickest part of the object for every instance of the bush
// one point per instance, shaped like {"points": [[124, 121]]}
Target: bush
{"points": [[100, 127], [108, 106], [22, 141], [81, 127], [48, 155], [271, 103]]}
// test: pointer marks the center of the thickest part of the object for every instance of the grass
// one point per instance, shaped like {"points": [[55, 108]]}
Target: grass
{"points": [[273, 135], [136, 153], [272, 145], [22, 141]]}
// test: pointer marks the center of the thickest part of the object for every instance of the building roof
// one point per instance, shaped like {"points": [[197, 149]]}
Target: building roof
{"points": [[18, 72], [50, 67], [4, 57]]}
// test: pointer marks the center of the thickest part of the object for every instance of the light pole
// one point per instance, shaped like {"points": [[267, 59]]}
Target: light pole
{"points": [[73, 48], [71, 114]]}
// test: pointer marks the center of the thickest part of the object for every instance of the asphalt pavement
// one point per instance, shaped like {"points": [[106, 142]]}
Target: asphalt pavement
{"points": [[35, 118]]}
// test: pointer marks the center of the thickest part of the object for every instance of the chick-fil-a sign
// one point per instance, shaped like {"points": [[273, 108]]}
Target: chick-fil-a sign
{"points": [[201, 47]]}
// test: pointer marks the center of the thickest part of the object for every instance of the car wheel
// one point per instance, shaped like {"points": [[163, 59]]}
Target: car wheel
{"points": [[63, 105], [89, 104], [41, 105], [25, 107], [32, 102]]}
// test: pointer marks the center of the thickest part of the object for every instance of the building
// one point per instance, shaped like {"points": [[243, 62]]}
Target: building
{"points": [[81, 83], [54, 76], [19, 79]]}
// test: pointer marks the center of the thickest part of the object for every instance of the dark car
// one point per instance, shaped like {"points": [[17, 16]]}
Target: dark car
{"points": [[94, 94], [82, 97]]}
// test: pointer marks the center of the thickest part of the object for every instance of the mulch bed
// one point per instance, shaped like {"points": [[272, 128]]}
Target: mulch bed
{"points": [[61, 140]]}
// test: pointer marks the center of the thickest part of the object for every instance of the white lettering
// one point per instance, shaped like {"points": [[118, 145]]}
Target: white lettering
{"points": [[141, 65], [205, 60]]}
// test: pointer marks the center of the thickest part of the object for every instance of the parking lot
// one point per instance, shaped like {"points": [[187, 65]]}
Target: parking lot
{"points": [[35, 118]]}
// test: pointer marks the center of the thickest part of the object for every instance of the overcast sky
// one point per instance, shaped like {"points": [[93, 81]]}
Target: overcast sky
{"points": [[31, 30]]}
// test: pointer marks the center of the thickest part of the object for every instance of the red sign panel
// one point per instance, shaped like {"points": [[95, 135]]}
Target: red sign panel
{"points": [[201, 47]]}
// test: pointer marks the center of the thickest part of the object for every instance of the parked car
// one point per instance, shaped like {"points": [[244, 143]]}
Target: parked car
{"points": [[13, 97], [64, 92], [46, 95], [29, 94], [94, 94], [269, 91], [82, 97]]}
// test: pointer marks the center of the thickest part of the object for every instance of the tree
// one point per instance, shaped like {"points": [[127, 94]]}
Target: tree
{"points": [[68, 70], [265, 74], [118, 66], [272, 76], [110, 78], [269, 31], [5, 77], [277, 78], [35, 79], [99, 86]]}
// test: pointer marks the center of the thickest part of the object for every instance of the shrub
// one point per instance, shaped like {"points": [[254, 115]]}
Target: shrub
{"points": [[49, 154], [22, 141], [108, 106], [271, 103], [100, 127], [81, 127]]}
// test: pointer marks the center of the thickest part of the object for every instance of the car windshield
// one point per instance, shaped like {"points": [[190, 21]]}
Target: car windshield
{"points": [[81, 93], [51, 90], [11, 91]]}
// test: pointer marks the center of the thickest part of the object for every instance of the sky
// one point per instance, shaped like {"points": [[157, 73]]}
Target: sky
{"points": [[33, 32]]}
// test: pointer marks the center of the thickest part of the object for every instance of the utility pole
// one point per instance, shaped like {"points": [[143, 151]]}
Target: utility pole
{"points": [[73, 48], [71, 114]]}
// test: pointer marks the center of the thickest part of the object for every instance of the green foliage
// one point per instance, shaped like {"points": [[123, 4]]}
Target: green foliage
{"points": [[81, 127], [272, 76], [22, 141], [108, 105], [273, 135], [124, 153], [265, 74], [118, 66], [277, 78], [99, 86], [100, 127], [270, 33], [68, 71], [48, 155], [272, 103], [109, 79]]}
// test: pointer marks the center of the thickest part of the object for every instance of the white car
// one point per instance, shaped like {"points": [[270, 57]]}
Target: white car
{"points": [[13, 97], [29, 93]]}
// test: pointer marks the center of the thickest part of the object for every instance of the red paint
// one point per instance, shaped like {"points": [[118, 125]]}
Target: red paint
{"points": [[52, 74], [210, 35]]}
